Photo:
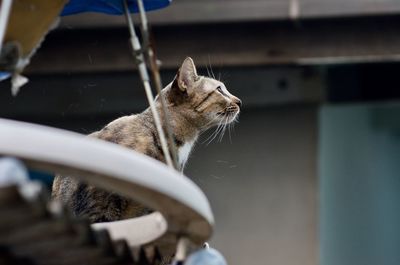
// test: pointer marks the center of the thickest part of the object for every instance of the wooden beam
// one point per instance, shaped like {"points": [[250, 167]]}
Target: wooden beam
{"points": [[103, 95], [245, 44]]}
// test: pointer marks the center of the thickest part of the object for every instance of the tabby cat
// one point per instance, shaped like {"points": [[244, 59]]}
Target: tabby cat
{"points": [[195, 103]]}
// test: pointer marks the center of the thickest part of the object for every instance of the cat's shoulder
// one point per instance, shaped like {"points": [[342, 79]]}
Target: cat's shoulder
{"points": [[119, 124], [124, 120]]}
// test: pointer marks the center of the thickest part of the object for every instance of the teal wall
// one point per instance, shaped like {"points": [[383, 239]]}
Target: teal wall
{"points": [[359, 170]]}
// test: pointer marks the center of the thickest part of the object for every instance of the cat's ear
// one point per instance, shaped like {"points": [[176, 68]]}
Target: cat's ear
{"points": [[187, 75]]}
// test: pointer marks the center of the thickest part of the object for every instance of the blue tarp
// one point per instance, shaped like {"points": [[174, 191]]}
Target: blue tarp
{"points": [[111, 7], [4, 75]]}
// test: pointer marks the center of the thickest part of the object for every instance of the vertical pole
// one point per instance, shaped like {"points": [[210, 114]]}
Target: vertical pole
{"points": [[157, 81], [134, 41]]}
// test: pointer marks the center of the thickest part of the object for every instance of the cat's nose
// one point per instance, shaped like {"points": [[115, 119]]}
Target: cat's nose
{"points": [[238, 102]]}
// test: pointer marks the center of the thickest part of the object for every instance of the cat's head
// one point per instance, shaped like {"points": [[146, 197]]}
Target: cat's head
{"points": [[203, 100]]}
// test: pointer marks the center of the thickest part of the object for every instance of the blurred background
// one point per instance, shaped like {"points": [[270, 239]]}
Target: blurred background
{"points": [[310, 174]]}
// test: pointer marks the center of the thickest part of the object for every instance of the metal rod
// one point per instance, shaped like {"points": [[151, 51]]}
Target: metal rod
{"points": [[134, 41], [157, 81], [143, 17]]}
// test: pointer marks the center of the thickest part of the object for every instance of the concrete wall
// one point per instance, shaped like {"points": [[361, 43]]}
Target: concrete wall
{"points": [[262, 187]]}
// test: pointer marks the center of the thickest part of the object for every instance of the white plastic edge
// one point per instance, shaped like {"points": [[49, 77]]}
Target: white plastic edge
{"points": [[101, 162]]}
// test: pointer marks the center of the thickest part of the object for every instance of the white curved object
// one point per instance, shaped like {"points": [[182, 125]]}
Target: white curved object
{"points": [[112, 167], [136, 231]]}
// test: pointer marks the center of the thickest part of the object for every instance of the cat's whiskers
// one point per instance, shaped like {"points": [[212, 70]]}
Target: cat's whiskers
{"points": [[224, 128], [220, 129], [208, 71], [234, 115], [232, 126], [212, 72], [214, 134], [217, 117], [229, 131], [228, 125]]}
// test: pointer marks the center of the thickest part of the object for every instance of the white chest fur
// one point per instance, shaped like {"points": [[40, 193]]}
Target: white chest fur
{"points": [[184, 152]]}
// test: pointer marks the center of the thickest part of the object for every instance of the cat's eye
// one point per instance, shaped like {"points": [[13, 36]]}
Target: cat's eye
{"points": [[219, 89]]}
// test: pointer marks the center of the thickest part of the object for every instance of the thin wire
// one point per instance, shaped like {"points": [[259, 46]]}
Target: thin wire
{"points": [[134, 41], [157, 81]]}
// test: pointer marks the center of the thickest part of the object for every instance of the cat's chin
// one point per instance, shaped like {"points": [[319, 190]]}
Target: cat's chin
{"points": [[230, 118]]}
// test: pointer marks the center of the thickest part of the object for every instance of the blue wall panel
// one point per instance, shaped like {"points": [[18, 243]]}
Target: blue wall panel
{"points": [[359, 170]]}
